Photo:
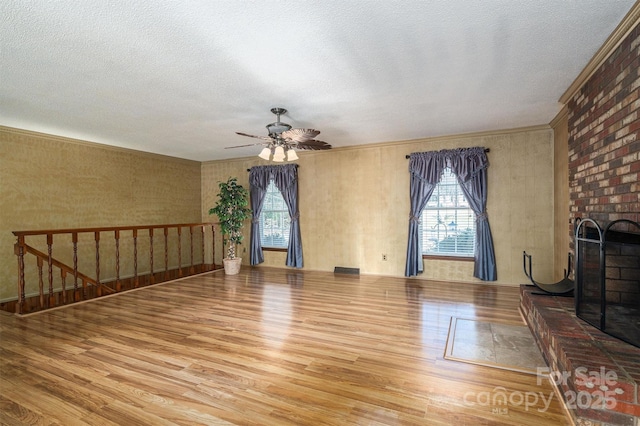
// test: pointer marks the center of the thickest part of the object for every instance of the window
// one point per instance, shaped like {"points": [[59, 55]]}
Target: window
{"points": [[448, 225], [274, 219]]}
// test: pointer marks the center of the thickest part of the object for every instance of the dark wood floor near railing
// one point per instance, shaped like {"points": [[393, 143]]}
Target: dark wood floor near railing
{"points": [[265, 347]]}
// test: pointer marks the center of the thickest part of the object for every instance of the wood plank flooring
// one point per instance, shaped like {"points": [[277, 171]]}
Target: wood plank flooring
{"points": [[265, 347]]}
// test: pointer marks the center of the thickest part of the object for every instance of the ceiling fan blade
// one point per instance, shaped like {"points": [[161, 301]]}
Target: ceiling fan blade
{"points": [[299, 135], [251, 144], [282, 135], [264, 138], [312, 145]]}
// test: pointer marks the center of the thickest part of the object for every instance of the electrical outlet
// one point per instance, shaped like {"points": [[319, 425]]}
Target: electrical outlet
{"points": [[384, 256]]}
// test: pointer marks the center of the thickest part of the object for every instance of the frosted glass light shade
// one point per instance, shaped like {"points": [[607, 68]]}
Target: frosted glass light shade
{"points": [[265, 154], [278, 155], [291, 155]]}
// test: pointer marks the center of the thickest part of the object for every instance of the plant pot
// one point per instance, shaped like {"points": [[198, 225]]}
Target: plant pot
{"points": [[232, 266]]}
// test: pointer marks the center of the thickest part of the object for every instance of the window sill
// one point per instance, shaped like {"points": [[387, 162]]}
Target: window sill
{"points": [[438, 257], [274, 249]]}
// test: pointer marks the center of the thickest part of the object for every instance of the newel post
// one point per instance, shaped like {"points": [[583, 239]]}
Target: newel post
{"points": [[19, 251]]}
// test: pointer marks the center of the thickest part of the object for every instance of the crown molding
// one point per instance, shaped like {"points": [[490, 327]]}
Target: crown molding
{"points": [[49, 137], [623, 29], [249, 161], [564, 112], [446, 138], [252, 160]]}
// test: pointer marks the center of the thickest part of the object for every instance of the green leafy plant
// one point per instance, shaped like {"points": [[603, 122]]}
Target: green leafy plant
{"points": [[231, 208]]}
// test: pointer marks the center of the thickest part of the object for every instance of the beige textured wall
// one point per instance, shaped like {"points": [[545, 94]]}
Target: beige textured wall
{"points": [[49, 182], [354, 201], [563, 229], [354, 204]]}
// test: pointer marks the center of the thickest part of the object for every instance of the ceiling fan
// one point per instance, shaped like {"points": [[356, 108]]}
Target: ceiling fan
{"points": [[283, 138]]}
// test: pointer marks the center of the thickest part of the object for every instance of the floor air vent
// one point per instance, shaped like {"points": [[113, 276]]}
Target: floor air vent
{"points": [[341, 270]]}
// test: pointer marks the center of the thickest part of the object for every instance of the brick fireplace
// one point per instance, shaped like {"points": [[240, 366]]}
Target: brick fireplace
{"points": [[603, 127], [607, 277], [604, 143], [604, 174]]}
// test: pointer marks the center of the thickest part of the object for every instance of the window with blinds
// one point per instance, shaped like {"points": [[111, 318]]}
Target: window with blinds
{"points": [[448, 225], [274, 219]]}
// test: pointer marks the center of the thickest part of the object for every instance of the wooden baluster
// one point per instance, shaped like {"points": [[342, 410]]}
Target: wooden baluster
{"points": [[40, 282], [136, 283], [151, 255], [98, 287], [19, 251], [179, 251], [74, 239], [63, 278], [202, 267], [52, 299], [191, 271], [166, 253], [117, 237], [213, 246]]}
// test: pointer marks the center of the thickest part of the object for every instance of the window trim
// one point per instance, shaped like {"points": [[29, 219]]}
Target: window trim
{"points": [[264, 248], [446, 257]]}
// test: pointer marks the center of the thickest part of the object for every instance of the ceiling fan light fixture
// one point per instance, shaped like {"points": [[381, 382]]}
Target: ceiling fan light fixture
{"points": [[282, 138], [278, 155], [291, 155], [265, 154], [275, 129]]}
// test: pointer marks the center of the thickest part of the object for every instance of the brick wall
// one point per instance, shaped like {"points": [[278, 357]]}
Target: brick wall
{"points": [[604, 169], [604, 142]]}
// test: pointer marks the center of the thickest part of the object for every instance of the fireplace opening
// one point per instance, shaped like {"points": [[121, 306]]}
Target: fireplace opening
{"points": [[607, 276]]}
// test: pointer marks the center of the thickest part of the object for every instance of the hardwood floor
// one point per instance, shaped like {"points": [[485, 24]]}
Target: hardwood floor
{"points": [[266, 347]]}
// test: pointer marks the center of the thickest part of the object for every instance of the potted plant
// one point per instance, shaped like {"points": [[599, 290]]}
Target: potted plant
{"points": [[231, 208]]}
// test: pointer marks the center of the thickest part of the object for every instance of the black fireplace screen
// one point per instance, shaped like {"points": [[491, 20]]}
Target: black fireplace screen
{"points": [[607, 276]]}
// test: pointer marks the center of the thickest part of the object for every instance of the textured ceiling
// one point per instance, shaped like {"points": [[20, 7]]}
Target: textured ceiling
{"points": [[181, 77]]}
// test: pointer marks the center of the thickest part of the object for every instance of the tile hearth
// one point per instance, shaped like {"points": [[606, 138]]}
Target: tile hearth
{"points": [[506, 346]]}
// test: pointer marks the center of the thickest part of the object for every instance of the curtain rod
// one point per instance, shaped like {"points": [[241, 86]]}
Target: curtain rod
{"points": [[297, 165], [409, 156]]}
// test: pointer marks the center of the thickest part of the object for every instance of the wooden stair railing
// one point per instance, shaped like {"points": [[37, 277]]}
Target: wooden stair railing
{"points": [[93, 286], [64, 270]]}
